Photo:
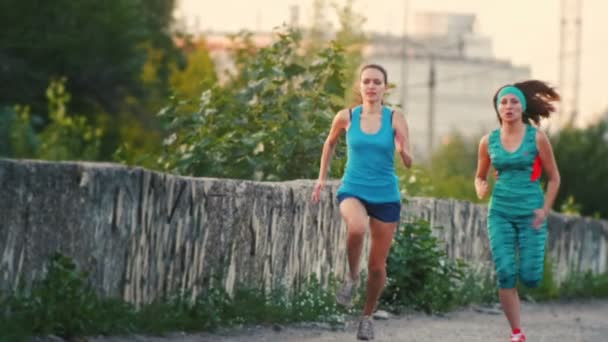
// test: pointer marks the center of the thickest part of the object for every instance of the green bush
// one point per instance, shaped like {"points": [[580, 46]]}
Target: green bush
{"points": [[420, 274], [421, 277], [268, 123], [577, 285], [64, 304], [64, 137], [584, 285], [477, 286]]}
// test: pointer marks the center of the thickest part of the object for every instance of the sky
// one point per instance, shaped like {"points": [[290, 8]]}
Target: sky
{"points": [[525, 32]]}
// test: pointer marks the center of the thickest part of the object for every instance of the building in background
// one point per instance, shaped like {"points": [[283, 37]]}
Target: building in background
{"points": [[450, 73], [449, 69]]}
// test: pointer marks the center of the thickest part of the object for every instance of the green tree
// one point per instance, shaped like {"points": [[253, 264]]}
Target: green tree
{"points": [[453, 166], [581, 156], [267, 123], [66, 137], [141, 137], [448, 174], [17, 136], [97, 45], [198, 74]]}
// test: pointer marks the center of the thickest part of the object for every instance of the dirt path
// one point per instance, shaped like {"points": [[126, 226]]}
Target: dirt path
{"points": [[546, 322]]}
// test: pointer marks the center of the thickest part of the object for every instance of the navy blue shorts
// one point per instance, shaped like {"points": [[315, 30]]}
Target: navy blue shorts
{"points": [[385, 212]]}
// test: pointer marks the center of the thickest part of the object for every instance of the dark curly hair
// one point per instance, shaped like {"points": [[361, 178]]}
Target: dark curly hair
{"points": [[539, 96]]}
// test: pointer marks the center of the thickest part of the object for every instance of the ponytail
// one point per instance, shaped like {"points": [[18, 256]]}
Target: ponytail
{"points": [[539, 97]]}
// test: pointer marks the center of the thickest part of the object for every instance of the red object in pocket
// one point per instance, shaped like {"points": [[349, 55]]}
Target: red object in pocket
{"points": [[537, 169]]}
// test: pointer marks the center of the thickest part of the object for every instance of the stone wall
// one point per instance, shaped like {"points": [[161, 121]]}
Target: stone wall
{"points": [[142, 234]]}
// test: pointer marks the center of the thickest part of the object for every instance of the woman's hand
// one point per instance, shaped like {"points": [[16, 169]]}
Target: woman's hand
{"points": [[483, 165], [316, 192], [402, 143], [399, 141], [539, 217], [481, 188]]}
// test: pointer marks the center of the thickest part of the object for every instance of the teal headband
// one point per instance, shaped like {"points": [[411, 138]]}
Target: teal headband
{"points": [[514, 91]]}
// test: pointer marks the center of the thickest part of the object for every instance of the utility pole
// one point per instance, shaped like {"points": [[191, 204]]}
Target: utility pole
{"points": [[404, 58], [431, 106], [258, 21], [294, 18], [570, 60]]}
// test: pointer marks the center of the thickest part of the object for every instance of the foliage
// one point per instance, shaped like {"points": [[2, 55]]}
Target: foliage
{"points": [[448, 174], [578, 151], [65, 137], [581, 156], [584, 285], [95, 44], [420, 275], [477, 286], [17, 135], [268, 123], [349, 35], [199, 73], [570, 207], [64, 304], [105, 50]]}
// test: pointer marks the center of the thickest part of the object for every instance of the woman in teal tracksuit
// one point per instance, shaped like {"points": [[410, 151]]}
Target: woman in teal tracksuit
{"points": [[518, 209]]}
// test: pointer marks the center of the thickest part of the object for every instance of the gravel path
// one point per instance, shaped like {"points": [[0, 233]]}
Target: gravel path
{"points": [[546, 322]]}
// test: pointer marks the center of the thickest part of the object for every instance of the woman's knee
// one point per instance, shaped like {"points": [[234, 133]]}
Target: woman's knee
{"points": [[531, 279], [507, 278], [354, 214], [376, 268], [356, 228], [531, 283]]}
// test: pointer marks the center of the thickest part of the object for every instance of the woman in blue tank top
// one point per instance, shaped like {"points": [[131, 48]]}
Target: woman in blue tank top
{"points": [[369, 193], [518, 209]]}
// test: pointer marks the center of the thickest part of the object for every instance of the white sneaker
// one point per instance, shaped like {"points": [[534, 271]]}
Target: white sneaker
{"points": [[366, 329], [346, 293], [520, 337]]}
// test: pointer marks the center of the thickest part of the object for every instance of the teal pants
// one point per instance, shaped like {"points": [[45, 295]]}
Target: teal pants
{"points": [[512, 237]]}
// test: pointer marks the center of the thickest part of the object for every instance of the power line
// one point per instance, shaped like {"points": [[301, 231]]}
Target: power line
{"points": [[477, 73], [454, 77]]}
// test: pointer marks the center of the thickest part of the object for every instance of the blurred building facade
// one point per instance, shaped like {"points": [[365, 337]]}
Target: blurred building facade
{"points": [[450, 73], [449, 70]]}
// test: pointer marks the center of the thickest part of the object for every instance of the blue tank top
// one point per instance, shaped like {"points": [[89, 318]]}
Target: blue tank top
{"points": [[370, 167]]}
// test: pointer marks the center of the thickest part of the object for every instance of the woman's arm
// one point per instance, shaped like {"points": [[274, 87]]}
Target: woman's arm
{"points": [[402, 138], [483, 165], [338, 125], [545, 152]]}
